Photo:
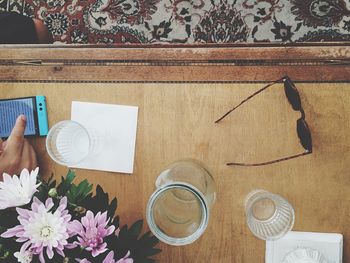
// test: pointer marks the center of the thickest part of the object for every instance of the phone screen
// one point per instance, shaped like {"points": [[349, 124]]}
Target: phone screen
{"points": [[9, 111]]}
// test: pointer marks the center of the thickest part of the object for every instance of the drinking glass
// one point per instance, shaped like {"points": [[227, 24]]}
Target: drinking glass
{"points": [[178, 211], [269, 216], [68, 143], [304, 255]]}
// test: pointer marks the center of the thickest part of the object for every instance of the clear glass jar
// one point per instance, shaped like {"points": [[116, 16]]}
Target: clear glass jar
{"points": [[178, 211]]}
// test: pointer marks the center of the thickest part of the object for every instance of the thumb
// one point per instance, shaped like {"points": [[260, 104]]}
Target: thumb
{"points": [[14, 143]]}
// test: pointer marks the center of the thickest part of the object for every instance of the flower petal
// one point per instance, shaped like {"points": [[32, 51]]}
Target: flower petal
{"points": [[12, 231], [49, 252]]}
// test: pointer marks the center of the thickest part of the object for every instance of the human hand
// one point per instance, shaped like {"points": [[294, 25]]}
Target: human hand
{"points": [[16, 153]]}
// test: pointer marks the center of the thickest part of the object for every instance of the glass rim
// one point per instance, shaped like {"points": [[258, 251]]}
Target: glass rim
{"points": [[174, 240], [49, 134], [190, 161]]}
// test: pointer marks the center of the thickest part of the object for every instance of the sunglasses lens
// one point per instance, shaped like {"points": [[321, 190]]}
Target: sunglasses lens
{"points": [[304, 134], [292, 93]]}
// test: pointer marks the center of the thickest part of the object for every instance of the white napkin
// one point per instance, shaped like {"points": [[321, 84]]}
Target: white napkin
{"points": [[113, 129]]}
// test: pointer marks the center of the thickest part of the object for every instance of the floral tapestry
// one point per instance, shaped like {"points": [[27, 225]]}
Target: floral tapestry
{"points": [[189, 21]]}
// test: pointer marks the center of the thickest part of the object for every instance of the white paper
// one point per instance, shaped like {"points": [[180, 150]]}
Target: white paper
{"points": [[113, 129]]}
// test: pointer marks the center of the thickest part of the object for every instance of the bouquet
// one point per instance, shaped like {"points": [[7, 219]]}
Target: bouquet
{"points": [[42, 221]]}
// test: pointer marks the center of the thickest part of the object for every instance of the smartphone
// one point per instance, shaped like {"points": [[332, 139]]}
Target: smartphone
{"points": [[34, 108]]}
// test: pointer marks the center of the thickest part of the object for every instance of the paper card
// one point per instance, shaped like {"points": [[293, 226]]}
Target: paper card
{"points": [[113, 131]]}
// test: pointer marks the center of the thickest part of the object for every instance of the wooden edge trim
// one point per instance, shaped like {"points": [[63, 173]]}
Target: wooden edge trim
{"points": [[172, 73], [290, 53]]}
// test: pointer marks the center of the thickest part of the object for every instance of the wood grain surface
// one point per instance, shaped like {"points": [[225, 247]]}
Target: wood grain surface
{"points": [[176, 121]]}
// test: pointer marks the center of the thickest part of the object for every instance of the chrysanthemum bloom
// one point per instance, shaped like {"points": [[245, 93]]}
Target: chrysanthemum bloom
{"points": [[42, 229], [16, 191], [125, 259], [91, 231], [24, 255], [110, 259]]}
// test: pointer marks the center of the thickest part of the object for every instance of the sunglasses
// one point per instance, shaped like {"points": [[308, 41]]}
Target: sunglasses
{"points": [[303, 130]]}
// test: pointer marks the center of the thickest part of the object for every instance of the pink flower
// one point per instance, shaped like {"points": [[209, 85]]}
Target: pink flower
{"points": [[91, 231], [117, 231], [24, 256], [110, 259], [41, 229], [125, 259]]}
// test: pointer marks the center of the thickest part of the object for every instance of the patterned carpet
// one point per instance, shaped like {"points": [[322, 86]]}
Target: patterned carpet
{"points": [[189, 21]]}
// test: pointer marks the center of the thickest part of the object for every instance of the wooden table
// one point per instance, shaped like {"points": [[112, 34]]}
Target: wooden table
{"points": [[176, 121]]}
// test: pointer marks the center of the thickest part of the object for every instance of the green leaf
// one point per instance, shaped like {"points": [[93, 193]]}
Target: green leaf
{"points": [[146, 260], [148, 240], [136, 228], [141, 249], [112, 208], [66, 183], [100, 202], [115, 222], [123, 232], [77, 194], [152, 251]]}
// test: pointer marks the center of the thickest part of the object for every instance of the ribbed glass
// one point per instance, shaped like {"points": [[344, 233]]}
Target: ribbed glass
{"points": [[68, 143], [304, 255], [269, 216]]}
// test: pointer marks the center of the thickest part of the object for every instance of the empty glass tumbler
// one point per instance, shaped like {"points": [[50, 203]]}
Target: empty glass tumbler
{"points": [[304, 255], [68, 142], [269, 216], [178, 211]]}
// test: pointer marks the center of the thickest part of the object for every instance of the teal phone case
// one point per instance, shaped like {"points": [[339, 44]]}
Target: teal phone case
{"points": [[42, 115]]}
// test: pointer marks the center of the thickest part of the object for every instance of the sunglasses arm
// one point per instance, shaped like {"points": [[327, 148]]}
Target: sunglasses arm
{"points": [[248, 98], [270, 162]]}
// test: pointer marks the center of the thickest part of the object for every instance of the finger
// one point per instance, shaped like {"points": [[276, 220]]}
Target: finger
{"points": [[15, 141], [3, 145], [28, 159], [34, 160]]}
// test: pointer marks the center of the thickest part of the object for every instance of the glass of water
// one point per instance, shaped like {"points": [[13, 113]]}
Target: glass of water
{"points": [[269, 216], [68, 143], [178, 211]]}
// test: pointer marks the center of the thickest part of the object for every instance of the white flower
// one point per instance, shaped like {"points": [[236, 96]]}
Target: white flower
{"points": [[42, 229], [16, 191], [24, 256]]}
